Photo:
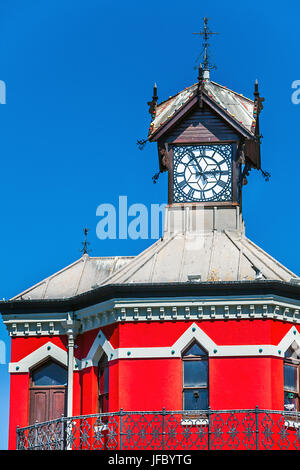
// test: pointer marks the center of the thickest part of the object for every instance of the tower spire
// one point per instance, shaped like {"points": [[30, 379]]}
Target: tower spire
{"points": [[206, 33]]}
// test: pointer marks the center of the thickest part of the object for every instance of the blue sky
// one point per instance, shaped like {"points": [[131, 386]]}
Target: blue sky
{"points": [[78, 75]]}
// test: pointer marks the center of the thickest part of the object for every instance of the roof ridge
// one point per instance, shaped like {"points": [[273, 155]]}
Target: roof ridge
{"points": [[211, 81], [140, 260], [270, 257]]}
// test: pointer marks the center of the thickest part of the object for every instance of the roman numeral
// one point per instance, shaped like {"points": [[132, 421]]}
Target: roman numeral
{"points": [[190, 193], [222, 183], [182, 184]]}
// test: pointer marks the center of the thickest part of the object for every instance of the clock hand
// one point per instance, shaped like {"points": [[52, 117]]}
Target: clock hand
{"points": [[197, 164], [211, 172], [200, 172]]}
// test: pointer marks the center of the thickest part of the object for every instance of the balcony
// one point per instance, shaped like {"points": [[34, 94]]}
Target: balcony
{"points": [[253, 429]]}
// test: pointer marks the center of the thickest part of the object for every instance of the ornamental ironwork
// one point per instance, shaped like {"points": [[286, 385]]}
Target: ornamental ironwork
{"points": [[253, 429]]}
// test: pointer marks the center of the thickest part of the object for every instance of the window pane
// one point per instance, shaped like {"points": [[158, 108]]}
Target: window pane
{"points": [[195, 373], [103, 380], [196, 399], [103, 405], [290, 377], [50, 374], [195, 350]]}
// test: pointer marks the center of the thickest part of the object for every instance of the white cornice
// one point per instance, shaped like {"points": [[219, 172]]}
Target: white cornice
{"points": [[35, 324], [153, 309], [216, 308]]}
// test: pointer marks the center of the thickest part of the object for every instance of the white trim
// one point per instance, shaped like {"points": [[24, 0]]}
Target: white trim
{"points": [[47, 350], [157, 309], [291, 336], [193, 332], [193, 308], [189, 335], [100, 344]]}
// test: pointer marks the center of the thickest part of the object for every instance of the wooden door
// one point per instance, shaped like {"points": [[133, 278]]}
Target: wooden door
{"points": [[57, 402], [47, 403], [47, 392], [39, 405]]}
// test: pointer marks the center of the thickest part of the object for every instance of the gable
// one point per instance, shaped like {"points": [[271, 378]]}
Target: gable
{"points": [[201, 125], [233, 108]]}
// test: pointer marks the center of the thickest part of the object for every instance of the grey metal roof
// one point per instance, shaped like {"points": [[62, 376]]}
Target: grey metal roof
{"points": [[212, 256], [81, 276], [234, 104]]}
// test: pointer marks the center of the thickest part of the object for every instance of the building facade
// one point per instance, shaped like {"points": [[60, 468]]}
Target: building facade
{"points": [[200, 333]]}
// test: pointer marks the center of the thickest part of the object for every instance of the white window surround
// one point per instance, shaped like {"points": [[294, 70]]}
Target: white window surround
{"points": [[48, 350], [194, 332]]}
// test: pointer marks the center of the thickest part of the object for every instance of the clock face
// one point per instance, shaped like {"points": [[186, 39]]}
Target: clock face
{"points": [[202, 173]]}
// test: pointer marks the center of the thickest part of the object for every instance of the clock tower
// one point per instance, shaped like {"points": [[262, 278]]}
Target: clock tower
{"points": [[203, 321], [208, 140]]}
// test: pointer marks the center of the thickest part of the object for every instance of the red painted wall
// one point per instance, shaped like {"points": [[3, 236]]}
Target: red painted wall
{"points": [[89, 390], [246, 382], [18, 406], [151, 384]]}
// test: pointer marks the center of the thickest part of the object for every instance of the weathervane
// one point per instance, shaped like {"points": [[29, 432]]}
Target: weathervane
{"points": [[85, 243], [206, 33]]}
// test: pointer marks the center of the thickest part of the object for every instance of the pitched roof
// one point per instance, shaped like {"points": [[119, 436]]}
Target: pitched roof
{"points": [[212, 256], [234, 105], [83, 275]]}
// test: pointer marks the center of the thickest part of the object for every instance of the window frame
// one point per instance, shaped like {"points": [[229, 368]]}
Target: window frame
{"points": [[103, 365], [48, 390], [33, 369], [295, 363], [194, 358]]}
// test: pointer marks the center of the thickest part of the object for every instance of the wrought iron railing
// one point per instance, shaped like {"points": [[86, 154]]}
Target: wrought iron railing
{"points": [[252, 429]]}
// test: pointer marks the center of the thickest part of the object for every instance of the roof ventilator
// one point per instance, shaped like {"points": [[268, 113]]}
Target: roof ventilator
{"points": [[194, 277]]}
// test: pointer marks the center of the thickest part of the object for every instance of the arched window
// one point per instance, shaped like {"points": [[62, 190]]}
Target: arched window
{"points": [[195, 378], [291, 378], [103, 382], [48, 383]]}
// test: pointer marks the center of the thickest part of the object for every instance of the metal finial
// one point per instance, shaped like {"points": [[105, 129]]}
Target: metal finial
{"points": [[85, 243], [153, 104], [206, 33], [200, 73]]}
